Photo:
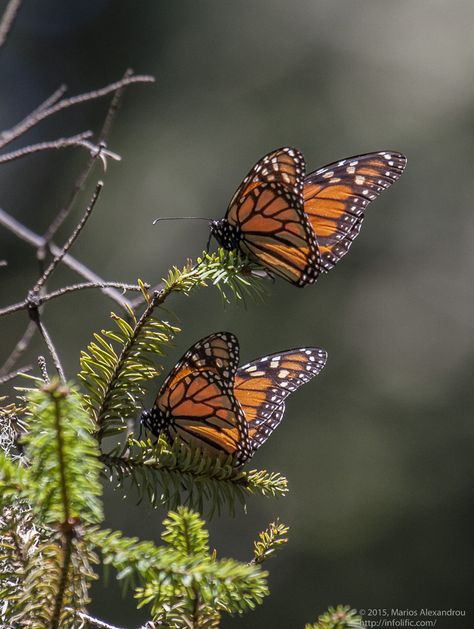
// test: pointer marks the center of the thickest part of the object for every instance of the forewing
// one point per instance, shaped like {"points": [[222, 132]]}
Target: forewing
{"points": [[275, 231], [284, 166], [335, 198], [217, 353], [203, 412]]}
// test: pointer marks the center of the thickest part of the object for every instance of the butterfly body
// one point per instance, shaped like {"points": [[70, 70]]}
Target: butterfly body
{"points": [[208, 401], [227, 235], [298, 226]]}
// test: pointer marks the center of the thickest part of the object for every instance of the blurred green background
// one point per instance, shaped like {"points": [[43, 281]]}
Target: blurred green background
{"points": [[378, 448]]}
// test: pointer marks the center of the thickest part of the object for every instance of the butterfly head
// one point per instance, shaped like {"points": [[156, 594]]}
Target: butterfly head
{"points": [[227, 235]]}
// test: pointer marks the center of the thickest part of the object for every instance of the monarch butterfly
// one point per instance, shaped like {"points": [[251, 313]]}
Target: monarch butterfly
{"points": [[209, 402], [298, 226]]}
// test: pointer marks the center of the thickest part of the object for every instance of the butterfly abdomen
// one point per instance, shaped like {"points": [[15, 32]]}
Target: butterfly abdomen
{"points": [[227, 235]]}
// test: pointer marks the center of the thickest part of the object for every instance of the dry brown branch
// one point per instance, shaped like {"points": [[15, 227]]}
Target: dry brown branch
{"points": [[71, 240], [82, 178], [8, 18], [41, 113], [37, 241], [79, 140], [18, 350], [13, 374]]}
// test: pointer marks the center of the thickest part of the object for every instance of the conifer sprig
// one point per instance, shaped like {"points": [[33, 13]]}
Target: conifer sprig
{"points": [[340, 617], [269, 541], [116, 365], [182, 575], [173, 474], [63, 457], [44, 527], [229, 271]]}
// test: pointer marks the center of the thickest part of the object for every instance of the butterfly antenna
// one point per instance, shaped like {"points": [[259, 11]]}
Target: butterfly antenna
{"points": [[182, 218]]}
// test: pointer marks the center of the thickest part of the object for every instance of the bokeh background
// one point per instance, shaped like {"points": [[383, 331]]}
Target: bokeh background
{"points": [[377, 449]]}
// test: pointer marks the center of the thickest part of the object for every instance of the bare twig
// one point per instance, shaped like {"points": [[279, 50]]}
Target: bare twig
{"points": [[33, 119], [79, 184], [19, 348], [7, 19], [73, 288], [76, 287], [38, 241], [20, 305], [114, 106], [13, 374], [51, 100], [72, 238], [61, 143], [95, 622]]}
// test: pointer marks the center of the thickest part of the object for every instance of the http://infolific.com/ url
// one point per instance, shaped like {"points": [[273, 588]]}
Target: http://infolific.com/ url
{"points": [[382, 623]]}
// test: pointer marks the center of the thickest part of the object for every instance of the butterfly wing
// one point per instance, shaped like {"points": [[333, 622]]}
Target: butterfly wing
{"points": [[217, 353], [261, 388], [335, 198], [267, 213], [201, 409]]}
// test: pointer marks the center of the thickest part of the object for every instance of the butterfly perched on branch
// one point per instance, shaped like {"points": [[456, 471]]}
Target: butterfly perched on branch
{"points": [[208, 401], [298, 226]]}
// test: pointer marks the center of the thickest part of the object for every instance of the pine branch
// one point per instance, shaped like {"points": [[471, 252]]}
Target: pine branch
{"points": [[59, 440], [176, 474], [270, 541], [60, 491], [229, 271], [340, 617], [168, 576], [114, 377]]}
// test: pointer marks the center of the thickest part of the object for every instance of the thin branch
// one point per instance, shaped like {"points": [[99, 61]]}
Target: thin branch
{"points": [[71, 240], [95, 622], [51, 100], [38, 241], [19, 348], [14, 374], [114, 106], [7, 19], [76, 287], [41, 299], [79, 184], [59, 599], [21, 305], [75, 140], [33, 119]]}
